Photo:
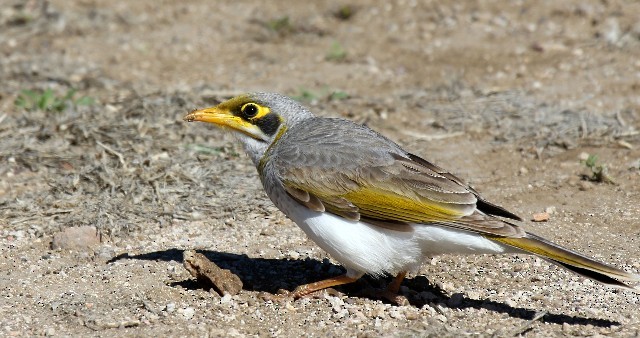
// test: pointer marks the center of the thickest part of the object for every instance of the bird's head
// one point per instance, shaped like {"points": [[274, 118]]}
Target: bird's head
{"points": [[256, 119]]}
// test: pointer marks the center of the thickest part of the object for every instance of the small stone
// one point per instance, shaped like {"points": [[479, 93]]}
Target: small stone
{"points": [[341, 314], [523, 171], [76, 238], [583, 156], [293, 254], [105, 252], [378, 311], [197, 215], [473, 295], [411, 315], [540, 217], [611, 30], [226, 299], [188, 312], [446, 286], [359, 315], [550, 210], [585, 185], [336, 303], [171, 307], [233, 332], [395, 314], [50, 332]]}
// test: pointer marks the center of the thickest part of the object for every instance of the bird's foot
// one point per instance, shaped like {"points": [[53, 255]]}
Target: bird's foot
{"points": [[391, 292], [311, 288], [284, 296], [385, 294], [394, 298]]}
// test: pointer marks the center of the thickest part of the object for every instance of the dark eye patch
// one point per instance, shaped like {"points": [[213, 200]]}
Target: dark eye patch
{"points": [[269, 124]]}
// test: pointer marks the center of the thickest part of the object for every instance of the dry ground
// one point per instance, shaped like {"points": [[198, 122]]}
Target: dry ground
{"points": [[509, 95]]}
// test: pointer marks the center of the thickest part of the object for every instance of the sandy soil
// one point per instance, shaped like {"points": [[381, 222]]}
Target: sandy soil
{"points": [[509, 95]]}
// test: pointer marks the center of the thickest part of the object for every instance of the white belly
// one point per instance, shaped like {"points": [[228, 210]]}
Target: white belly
{"points": [[365, 248]]}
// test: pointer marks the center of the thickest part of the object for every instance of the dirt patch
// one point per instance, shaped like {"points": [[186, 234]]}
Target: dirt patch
{"points": [[509, 96]]}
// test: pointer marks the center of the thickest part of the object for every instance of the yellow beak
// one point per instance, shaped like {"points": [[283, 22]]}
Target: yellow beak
{"points": [[225, 119]]}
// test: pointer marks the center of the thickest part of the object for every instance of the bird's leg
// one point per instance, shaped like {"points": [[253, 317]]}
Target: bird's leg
{"points": [[394, 286], [306, 289], [390, 293]]}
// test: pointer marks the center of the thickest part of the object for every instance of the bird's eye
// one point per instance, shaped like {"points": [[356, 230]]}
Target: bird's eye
{"points": [[250, 110]]}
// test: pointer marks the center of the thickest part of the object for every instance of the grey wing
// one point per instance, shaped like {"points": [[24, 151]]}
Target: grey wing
{"points": [[321, 167]]}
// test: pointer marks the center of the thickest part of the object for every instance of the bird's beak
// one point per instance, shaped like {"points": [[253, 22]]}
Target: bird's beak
{"points": [[223, 118]]}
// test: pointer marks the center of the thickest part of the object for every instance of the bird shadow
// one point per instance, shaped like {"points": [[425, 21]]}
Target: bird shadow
{"points": [[270, 275]]}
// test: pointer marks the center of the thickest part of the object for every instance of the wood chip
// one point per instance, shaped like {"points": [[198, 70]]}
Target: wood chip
{"points": [[209, 275]]}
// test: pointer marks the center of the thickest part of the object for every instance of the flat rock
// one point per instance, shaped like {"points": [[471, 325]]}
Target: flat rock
{"points": [[76, 238]]}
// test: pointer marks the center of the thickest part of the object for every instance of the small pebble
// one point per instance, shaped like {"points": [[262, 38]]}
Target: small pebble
{"points": [[188, 312], [293, 254], [226, 298], [540, 217], [341, 314], [611, 30], [76, 238], [336, 303], [411, 315], [585, 185], [197, 215], [105, 252], [395, 314], [378, 311], [446, 286], [359, 315], [171, 307], [473, 295]]}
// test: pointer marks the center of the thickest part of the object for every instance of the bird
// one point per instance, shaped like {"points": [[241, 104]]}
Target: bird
{"points": [[374, 207]]}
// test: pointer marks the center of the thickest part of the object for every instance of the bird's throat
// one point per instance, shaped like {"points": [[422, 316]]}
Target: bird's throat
{"points": [[265, 157]]}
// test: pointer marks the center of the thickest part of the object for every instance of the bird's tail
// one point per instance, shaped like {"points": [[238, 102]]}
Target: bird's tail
{"points": [[572, 261]]}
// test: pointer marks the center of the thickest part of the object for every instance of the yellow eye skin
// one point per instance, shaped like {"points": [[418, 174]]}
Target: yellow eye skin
{"points": [[252, 111]]}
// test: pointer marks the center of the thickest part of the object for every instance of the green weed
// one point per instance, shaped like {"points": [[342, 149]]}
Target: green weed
{"points": [[305, 95], [338, 95], [280, 25], [345, 12], [48, 101], [599, 172], [336, 52]]}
